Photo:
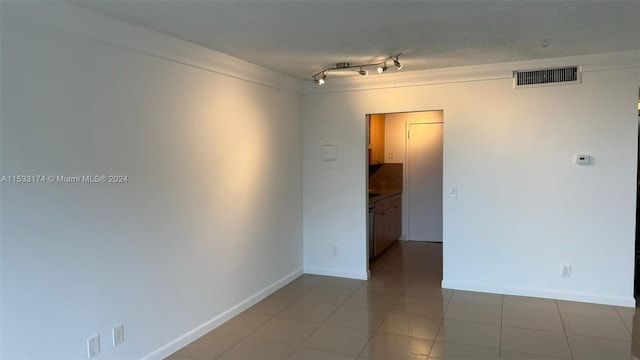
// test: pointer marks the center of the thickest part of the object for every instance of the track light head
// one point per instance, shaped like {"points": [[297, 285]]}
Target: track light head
{"points": [[321, 80], [396, 62], [363, 72], [382, 69]]}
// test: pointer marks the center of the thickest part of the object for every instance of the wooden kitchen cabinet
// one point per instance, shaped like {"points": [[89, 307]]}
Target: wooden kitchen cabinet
{"points": [[387, 223], [395, 216], [376, 139]]}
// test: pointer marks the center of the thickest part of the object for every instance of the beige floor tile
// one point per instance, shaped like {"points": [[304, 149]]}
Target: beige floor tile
{"points": [[253, 349], [177, 357], [626, 312], [628, 316], [310, 279], [423, 327], [529, 303], [342, 283], [339, 339], [285, 331], [384, 284], [293, 290], [467, 333], [473, 312], [532, 319], [396, 323], [359, 318], [391, 346], [608, 328], [634, 326], [535, 342], [308, 311], [270, 306], [244, 324], [429, 292], [304, 353], [374, 300], [328, 295], [416, 326], [584, 347], [442, 350], [578, 308], [398, 312], [635, 350], [420, 306], [209, 346], [513, 355], [477, 297]]}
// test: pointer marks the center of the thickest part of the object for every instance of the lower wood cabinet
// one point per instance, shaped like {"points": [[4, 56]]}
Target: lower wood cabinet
{"points": [[387, 223]]}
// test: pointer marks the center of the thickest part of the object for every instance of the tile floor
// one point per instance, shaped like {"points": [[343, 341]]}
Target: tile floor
{"points": [[402, 313]]}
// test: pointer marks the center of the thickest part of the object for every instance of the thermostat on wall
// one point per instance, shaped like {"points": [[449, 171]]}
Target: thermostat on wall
{"points": [[582, 159]]}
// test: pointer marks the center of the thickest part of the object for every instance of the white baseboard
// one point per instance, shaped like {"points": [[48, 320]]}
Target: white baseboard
{"points": [[337, 273], [220, 319], [543, 293]]}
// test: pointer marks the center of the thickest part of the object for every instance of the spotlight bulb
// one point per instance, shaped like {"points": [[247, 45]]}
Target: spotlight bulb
{"points": [[397, 64], [382, 69], [321, 81]]}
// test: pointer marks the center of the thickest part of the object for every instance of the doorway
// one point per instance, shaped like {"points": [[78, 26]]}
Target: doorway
{"points": [[413, 142]]}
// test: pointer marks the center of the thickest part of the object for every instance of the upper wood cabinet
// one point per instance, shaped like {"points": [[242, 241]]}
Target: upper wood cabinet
{"points": [[376, 139]]}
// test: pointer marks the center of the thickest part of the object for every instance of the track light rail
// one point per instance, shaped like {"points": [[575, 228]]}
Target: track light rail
{"points": [[320, 76]]}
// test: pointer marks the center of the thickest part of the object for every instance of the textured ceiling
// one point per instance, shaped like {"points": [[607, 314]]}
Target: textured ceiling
{"points": [[301, 37]]}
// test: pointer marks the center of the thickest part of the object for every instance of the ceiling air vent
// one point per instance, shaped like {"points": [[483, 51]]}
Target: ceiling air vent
{"points": [[546, 77]]}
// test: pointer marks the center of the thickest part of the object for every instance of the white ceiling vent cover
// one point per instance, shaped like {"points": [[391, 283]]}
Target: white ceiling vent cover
{"points": [[547, 77]]}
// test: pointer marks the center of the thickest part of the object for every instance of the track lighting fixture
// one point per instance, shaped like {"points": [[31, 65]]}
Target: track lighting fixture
{"points": [[319, 77]]}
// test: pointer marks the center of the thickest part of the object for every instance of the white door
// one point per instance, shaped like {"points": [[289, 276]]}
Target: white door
{"points": [[425, 181]]}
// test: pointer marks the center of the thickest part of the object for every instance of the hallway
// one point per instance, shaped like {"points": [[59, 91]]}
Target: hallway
{"points": [[402, 313]]}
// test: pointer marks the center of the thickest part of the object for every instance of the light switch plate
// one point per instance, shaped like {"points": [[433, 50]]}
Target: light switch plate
{"points": [[453, 191], [118, 335], [93, 346]]}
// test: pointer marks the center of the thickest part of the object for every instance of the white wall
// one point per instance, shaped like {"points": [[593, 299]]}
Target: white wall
{"points": [[523, 208], [213, 164]]}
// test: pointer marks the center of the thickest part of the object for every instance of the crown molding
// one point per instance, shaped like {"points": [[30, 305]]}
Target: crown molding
{"points": [[589, 63], [110, 31]]}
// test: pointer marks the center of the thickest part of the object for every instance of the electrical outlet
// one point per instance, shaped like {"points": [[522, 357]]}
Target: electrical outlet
{"points": [[335, 251], [93, 346], [118, 335], [566, 271]]}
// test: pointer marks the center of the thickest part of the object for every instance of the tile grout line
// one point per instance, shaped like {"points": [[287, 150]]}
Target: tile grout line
{"points": [[566, 336], [501, 325]]}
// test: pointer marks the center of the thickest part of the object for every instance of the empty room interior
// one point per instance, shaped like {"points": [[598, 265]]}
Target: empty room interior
{"points": [[199, 180]]}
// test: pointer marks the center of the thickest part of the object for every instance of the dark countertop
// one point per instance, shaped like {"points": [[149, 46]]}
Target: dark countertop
{"points": [[375, 196]]}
